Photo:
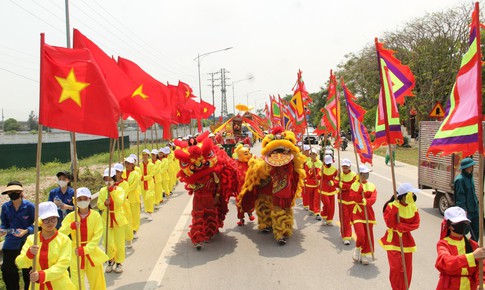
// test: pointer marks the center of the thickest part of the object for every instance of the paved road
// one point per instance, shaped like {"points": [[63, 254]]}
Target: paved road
{"points": [[243, 258]]}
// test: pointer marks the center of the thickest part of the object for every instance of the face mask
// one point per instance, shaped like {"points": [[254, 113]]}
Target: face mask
{"points": [[460, 228], [14, 196], [109, 183], [62, 183], [83, 204]]}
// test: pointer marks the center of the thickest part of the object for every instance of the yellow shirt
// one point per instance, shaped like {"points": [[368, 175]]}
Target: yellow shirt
{"points": [[117, 216], [164, 165], [133, 191], [147, 179], [157, 171], [90, 233], [53, 259]]}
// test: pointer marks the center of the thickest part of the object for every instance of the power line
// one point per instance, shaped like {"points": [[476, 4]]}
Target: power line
{"points": [[35, 16], [48, 11], [25, 77], [18, 51]]}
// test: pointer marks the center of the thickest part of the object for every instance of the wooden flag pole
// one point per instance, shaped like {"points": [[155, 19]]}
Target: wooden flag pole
{"points": [[156, 136], [76, 218], [118, 149], [145, 140], [151, 135], [37, 193], [122, 141], [137, 142], [112, 144], [386, 122], [366, 214]]}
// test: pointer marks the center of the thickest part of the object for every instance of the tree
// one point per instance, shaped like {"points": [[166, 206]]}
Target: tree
{"points": [[32, 121], [11, 125]]}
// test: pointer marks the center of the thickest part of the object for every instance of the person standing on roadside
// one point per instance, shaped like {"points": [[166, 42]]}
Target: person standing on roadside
{"points": [[17, 218], [465, 196], [62, 196]]}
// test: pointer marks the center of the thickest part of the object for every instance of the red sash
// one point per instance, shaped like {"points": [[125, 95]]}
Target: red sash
{"points": [[145, 172], [44, 259]]}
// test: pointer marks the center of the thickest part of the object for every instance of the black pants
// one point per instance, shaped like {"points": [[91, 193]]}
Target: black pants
{"points": [[10, 272]]}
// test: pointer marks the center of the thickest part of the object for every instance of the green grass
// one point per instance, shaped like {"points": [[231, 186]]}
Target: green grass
{"points": [[405, 155]]}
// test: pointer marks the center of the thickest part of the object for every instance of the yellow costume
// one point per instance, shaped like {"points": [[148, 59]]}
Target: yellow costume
{"points": [[53, 259], [127, 210], [172, 170], [117, 221], [165, 176], [91, 256], [157, 178], [147, 185], [133, 196]]}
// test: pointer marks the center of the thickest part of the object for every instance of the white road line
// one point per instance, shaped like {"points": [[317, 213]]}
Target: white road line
{"points": [[164, 260], [398, 183]]}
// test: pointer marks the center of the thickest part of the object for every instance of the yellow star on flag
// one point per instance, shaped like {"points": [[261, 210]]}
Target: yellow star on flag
{"points": [[187, 94], [178, 113], [71, 88], [139, 92], [205, 110]]}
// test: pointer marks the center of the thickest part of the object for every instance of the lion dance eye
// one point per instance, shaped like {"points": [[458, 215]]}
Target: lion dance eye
{"points": [[183, 164], [210, 154], [270, 136]]}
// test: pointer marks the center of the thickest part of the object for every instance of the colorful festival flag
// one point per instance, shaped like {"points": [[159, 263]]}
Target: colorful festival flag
{"points": [[460, 132], [360, 136], [331, 111], [299, 101], [74, 95], [388, 126], [276, 112]]}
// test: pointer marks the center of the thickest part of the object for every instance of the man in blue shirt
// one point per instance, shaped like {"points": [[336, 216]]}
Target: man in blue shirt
{"points": [[465, 196], [17, 223], [62, 196]]}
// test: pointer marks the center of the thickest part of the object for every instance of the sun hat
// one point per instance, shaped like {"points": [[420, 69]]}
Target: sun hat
{"points": [[404, 188], [108, 173], [83, 191], [47, 209], [455, 214], [118, 167], [130, 160], [11, 188], [346, 162], [328, 159], [363, 169], [146, 151], [155, 151], [165, 150], [467, 162]]}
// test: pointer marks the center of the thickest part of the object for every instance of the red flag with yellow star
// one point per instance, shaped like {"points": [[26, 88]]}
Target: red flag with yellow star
{"points": [[73, 93]]}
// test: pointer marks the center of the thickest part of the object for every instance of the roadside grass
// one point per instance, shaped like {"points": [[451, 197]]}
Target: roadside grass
{"points": [[405, 155]]}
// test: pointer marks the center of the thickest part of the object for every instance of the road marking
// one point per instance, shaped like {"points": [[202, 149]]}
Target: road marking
{"points": [[164, 260], [398, 183]]}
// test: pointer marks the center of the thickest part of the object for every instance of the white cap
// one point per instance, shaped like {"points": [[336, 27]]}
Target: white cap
{"points": [[118, 167], [83, 191], [346, 162], [405, 188], [47, 209], [315, 150], [306, 147], [363, 169], [130, 160], [109, 173], [328, 159], [455, 214], [146, 151], [133, 156], [165, 150], [155, 151]]}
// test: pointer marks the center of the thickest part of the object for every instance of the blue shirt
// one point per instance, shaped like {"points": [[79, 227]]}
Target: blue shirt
{"points": [[23, 218], [66, 198]]}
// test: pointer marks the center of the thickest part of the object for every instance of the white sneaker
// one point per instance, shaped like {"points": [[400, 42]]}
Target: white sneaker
{"points": [[119, 268], [329, 224], [109, 268], [135, 236], [356, 255], [365, 260], [149, 217], [324, 223], [129, 244], [346, 242]]}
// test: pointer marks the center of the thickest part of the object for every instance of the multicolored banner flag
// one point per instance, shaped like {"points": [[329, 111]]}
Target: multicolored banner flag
{"points": [[288, 120], [331, 111], [267, 113], [360, 136], [276, 115], [299, 101], [388, 126], [74, 95], [461, 130]]}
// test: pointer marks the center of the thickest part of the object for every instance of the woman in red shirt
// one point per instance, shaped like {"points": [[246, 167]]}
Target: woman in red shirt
{"points": [[457, 255]]}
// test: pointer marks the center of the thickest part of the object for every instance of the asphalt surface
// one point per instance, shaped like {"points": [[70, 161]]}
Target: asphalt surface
{"points": [[243, 258]]}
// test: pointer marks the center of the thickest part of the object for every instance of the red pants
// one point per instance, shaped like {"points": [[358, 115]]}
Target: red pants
{"points": [[328, 207], [304, 197], [313, 199], [396, 276], [362, 241], [345, 223]]}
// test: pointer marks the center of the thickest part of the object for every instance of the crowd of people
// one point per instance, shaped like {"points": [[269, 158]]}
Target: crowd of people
{"points": [[65, 240], [137, 187]]}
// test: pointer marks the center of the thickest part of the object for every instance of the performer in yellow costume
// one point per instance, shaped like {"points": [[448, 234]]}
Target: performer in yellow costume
{"points": [[90, 229], [147, 185], [157, 178], [53, 253], [110, 200], [172, 170], [121, 182], [133, 193], [163, 155]]}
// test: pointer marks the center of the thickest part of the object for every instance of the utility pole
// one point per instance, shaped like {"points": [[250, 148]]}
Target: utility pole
{"points": [[223, 92], [212, 85]]}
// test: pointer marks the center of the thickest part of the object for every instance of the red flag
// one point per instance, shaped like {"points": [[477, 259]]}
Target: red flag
{"points": [[180, 114], [122, 86], [73, 93], [149, 89], [185, 90]]}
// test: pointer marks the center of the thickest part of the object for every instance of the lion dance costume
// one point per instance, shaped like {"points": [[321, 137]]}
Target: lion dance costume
{"points": [[275, 180], [243, 157], [211, 176]]}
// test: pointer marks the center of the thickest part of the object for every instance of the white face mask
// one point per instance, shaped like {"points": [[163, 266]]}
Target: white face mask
{"points": [[83, 204], [62, 183], [109, 183]]}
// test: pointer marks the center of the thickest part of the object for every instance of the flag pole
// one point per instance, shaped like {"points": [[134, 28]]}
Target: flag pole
{"points": [[137, 141], [122, 140], [151, 136], [388, 137], [145, 141], [156, 136], [480, 140], [76, 219], [367, 228], [112, 144], [337, 137], [118, 149]]}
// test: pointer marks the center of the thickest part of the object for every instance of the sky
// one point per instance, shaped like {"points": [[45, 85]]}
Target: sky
{"points": [[270, 39]]}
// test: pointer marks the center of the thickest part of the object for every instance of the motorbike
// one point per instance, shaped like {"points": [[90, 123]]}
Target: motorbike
{"points": [[344, 143]]}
